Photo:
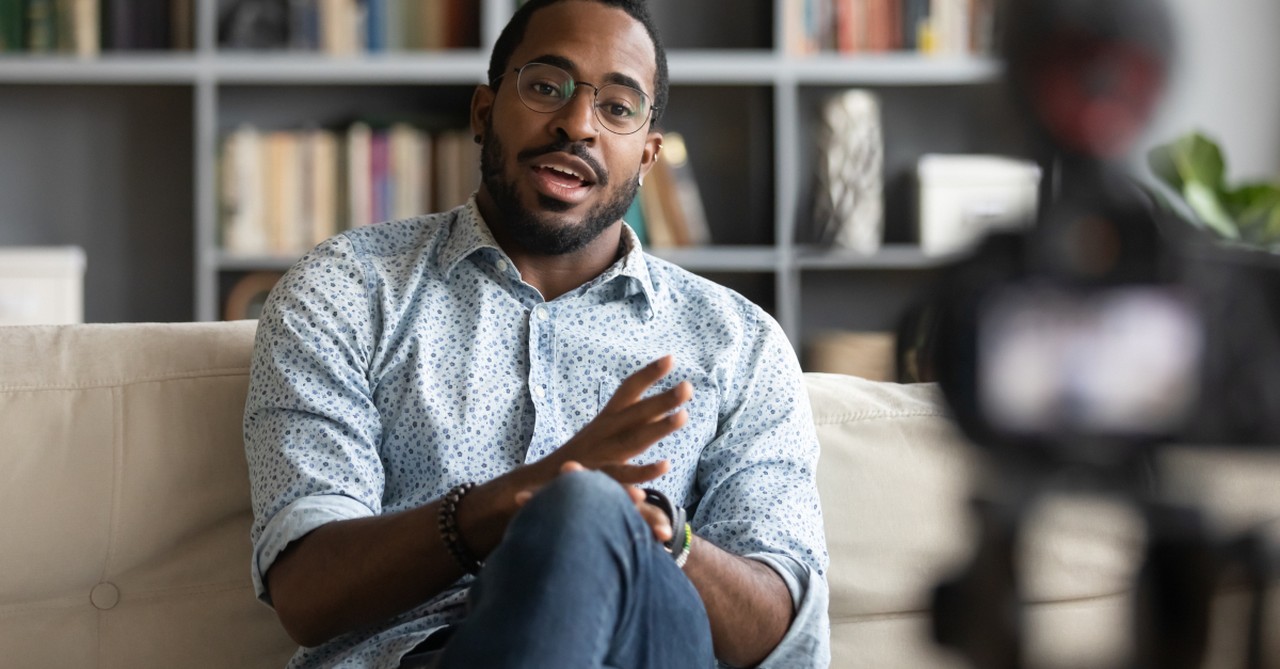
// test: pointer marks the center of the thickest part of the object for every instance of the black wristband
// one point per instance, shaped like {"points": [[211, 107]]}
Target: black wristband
{"points": [[676, 514], [448, 523]]}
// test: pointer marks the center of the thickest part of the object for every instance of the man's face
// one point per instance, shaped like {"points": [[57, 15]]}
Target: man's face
{"points": [[558, 179]]}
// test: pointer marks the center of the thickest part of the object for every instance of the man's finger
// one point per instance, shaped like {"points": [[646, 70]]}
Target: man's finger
{"points": [[634, 386], [657, 520], [655, 408], [631, 475]]}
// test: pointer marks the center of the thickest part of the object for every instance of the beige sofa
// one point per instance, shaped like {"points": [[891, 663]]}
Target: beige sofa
{"points": [[126, 513]]}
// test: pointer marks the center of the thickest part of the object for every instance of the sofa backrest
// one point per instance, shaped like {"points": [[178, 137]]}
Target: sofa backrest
{"points": [[126, 499]]}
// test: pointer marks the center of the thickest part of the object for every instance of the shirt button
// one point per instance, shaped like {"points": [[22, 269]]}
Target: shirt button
{"points": [[537, 390], [501, 265], [541, 313]]}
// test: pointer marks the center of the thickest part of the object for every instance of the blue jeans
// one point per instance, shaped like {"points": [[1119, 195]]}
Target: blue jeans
{"points": [[579, 581]]}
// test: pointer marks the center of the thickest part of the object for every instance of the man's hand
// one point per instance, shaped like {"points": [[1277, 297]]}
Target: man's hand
{"points": [[626, 427]]}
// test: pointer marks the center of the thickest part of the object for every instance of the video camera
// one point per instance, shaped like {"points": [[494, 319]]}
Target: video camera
{"points": [[1105, 332]]}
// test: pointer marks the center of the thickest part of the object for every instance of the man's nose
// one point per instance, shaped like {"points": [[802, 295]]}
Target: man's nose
{"points": [[577, 118]]}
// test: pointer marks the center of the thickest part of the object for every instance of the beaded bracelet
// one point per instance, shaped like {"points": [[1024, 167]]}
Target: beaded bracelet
{"points": [[448, 522], [683, 556]]}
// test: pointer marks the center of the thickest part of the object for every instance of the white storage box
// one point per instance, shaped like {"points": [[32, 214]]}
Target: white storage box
{"points": [[963, 197], [41, 286]]}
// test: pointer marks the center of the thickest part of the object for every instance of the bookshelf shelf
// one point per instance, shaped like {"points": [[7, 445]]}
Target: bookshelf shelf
{"points": [[890, 257], [890, 69], [107, 70], [722, 258], [429, 68]]}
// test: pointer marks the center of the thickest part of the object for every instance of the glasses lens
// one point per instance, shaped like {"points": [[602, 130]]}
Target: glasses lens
{"points": [[621, 108], [546, 88]]}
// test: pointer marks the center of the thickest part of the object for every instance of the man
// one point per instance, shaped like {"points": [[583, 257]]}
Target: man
{"points": [[449, 416]]}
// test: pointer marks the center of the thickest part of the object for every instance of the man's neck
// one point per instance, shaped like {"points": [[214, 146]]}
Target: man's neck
{"points": [[555, 275]]}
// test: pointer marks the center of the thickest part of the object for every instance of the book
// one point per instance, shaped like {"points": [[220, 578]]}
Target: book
{"points": [[282, 192], [407, 155], [41, 26], [686, 192], [659, 229], [915, 18], [12, 20], [359, 187], [241, 192], [375, 25], [462, 24], [634, 217], [182, 26]]}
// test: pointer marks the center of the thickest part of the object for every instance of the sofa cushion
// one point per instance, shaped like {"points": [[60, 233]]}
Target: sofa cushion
{"points": [[127, 503]]}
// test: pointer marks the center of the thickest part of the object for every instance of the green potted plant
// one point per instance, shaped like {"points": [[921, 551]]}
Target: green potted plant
{"points": [[1194, 168]]}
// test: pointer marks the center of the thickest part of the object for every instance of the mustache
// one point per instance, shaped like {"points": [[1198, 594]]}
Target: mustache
{"points": [[575, 149]]}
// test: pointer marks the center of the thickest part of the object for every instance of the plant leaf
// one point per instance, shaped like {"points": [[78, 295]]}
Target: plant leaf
{"points": [[1199, 158], [1204, 201], [1163, 164]]}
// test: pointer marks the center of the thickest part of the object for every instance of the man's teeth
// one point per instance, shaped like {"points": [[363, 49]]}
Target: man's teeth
{"points": [[564, 171]]}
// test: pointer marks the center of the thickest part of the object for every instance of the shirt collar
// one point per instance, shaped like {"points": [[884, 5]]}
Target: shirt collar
{"points": [[468, 234]]}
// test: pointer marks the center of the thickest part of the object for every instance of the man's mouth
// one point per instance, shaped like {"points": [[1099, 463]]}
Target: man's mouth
{"points": [[562, 177], [568, 177]]}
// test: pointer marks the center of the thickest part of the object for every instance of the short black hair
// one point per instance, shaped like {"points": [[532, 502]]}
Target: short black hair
{"points": [[514, 31]]}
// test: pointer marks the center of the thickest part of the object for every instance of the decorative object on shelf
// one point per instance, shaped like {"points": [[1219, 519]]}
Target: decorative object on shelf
{"points": [[246, 297], [849, 181], [1194, 167], [869, 355], [963, 197]]}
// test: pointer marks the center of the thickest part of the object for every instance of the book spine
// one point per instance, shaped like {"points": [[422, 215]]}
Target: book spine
{"points": [[11, 25], [182, 25], [376, 25], [41, 33], [86, 27]]}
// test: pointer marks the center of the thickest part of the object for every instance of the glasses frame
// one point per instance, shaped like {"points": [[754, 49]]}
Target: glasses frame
{"points": [[595, 95]]}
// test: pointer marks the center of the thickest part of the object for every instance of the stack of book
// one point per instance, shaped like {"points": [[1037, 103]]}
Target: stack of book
{"points": [[87, 27], [343, 27], [950, 27], [668, 210], [282, 192]]}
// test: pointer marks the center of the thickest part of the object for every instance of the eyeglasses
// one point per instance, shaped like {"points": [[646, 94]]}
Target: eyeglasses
{"points": [[545, 88]]}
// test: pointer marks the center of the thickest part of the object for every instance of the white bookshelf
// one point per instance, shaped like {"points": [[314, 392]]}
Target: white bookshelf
{"points": [[778, 90]]}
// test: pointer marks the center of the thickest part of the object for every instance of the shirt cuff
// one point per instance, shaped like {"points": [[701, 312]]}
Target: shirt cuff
{"points": [[808, 641], [292, 523]]}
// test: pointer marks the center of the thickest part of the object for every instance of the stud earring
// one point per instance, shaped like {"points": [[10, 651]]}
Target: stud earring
{"points": [[478, 139]]}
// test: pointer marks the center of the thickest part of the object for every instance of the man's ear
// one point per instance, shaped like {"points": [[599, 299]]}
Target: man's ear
{"points": [[481, 107], [652, 147]]}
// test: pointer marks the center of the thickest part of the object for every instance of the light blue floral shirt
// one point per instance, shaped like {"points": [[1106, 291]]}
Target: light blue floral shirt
{"points": [[398, 360]]}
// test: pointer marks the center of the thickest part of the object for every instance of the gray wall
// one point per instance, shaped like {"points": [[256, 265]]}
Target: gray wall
{"points": [[1228, 82]]}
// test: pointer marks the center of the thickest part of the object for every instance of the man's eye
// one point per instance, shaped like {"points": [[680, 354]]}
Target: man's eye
{"points": [[617, 109], [545, 89]]}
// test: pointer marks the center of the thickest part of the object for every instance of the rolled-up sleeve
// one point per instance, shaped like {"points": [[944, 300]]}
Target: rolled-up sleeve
{"points": [[311, 427], [759, 488]]}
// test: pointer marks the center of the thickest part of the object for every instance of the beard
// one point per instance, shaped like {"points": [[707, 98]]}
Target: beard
{"points": [[530, 229]]}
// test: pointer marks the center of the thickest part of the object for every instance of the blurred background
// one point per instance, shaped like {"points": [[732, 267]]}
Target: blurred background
{"points": [[171, 157]]}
